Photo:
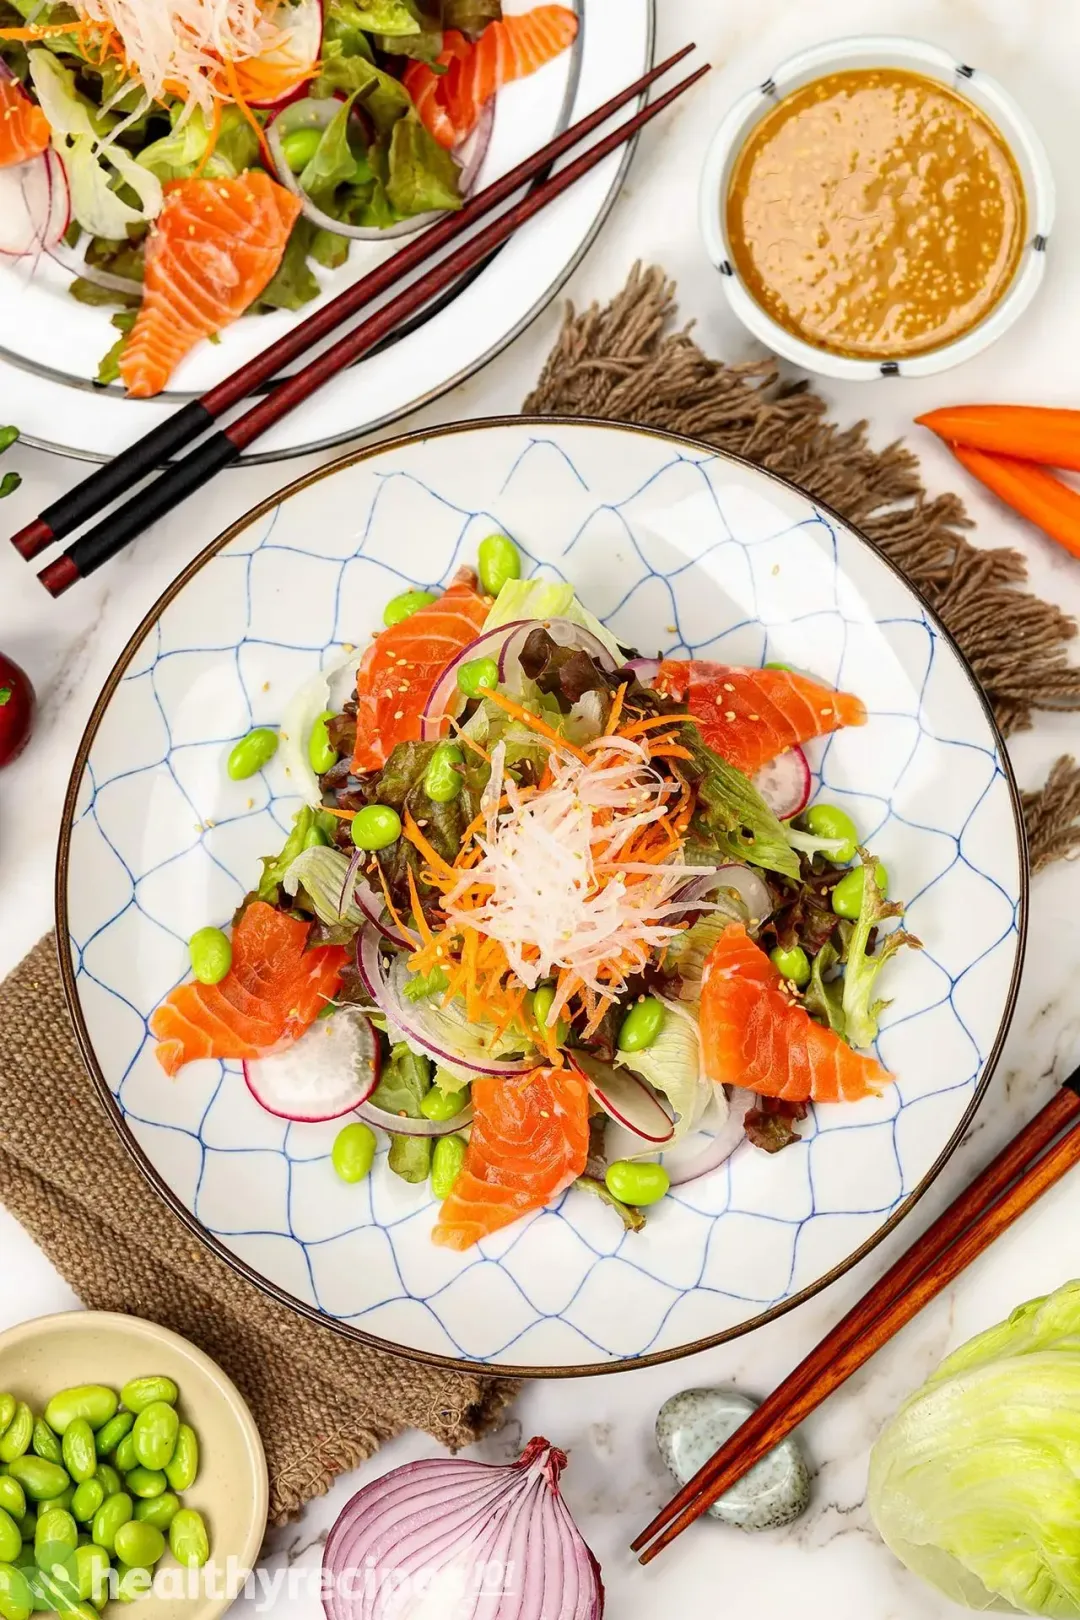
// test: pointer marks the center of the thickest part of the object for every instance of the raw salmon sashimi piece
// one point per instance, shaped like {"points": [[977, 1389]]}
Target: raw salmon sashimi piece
{"points": [[755, 1036], [399, 670], [214, 248], [749, 716], [273, 991], [24, 129], [529, 1142], [450, 103]]}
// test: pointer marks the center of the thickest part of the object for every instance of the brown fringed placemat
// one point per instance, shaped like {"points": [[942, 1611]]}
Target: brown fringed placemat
{"points": [[322, 1403]]}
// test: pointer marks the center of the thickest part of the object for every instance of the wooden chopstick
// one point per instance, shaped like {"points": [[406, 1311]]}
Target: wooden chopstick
{"points": [[149, 453], [1008, 1186]]}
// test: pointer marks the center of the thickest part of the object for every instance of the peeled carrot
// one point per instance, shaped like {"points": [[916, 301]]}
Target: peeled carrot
{"points": [[1028, 432], [1032, 492]]}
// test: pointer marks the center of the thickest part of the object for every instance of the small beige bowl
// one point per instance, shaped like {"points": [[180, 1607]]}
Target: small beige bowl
{"points": [[232, 1490]]}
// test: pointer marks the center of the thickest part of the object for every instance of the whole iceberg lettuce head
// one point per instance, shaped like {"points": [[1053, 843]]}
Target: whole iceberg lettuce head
{"points": [[975, 1484]]}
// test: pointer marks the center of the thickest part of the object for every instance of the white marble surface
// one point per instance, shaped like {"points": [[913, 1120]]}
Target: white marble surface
{"points": [[831, 1561]]}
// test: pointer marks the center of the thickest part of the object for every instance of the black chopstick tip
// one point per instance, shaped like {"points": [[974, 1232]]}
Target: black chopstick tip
{"points": [[59, 576], [34, 538]]}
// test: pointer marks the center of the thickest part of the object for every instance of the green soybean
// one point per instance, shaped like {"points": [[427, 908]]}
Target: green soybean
{"points": [[146, 1481], [188, 1541], [91, 1571], [183, 1471], [93, 1402], [499, 560], [113, 1512], [321, 752], [786, 668], [8, 1404], [16, 1602], [63, 1500], [404, 606], [793, 964], [10, 1537], [38, 1478], [124, 1455], [637, 1184], [132, 1583], [315, 838], [78, 1453], [353, 1152], [299, 146], [44, 1443], [160, 1511], [139, 1393], [17, 1436], [251, 753], [12, 1496], [540, 1003], [642, 1024], [829, 821], [56, 1532], [377, 826], [447, 1163], [108, 1478], [847, 897], [476, 673], [87, 1499], [443, 780], [440, 1105], [139, 1544], [154, 1435], [10, 482], [109, 1437], [211, 955]]}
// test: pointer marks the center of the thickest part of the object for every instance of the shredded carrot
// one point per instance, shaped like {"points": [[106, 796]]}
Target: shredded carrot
{"points": [[235, 92], [470, 742], [639, 727], [392, 909], [423, 927], [534, 723], [332, 810], [211, 144], [616, 710], [427, 849], [38, 31]]}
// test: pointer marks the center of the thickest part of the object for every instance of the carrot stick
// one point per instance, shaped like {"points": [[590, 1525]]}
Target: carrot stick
{"points": [[1036, 494], [1029, 432]]}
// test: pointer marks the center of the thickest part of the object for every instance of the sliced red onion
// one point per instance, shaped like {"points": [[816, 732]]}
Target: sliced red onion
{"points": [[401, 1125], [646, 669], [306, 23], [69, 259], [35, 206], [446, 699], [785, 783], [476, 1541], [374, 908], [722, 1146], [628, 1099], [348, 881], [749, 885], [332, 1069]]}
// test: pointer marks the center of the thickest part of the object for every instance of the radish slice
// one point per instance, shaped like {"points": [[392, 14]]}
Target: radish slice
{"points": [[784, 783], [35, 206], [332, 1069], [291, 64], [750, 887], [627, 1098]]}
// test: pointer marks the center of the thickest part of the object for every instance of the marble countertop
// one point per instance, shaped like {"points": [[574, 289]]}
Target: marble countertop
{"points": [[831, 1559]]}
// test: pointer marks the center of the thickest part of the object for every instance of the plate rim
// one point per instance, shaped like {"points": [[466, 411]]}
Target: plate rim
{"points": [[216, 1246]]}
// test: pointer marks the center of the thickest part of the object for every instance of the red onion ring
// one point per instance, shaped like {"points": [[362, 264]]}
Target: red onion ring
{"points": [[374, 908], [749, 885], [723, 1144], [563, 631]]}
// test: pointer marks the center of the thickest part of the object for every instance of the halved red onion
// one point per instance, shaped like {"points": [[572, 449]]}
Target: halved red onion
{"points": [[447, 700], [35, 206], [722, 1146], [307, 20], [749, 885], [331, 1070], [401, 1125], [628, 1099], [785, 783]]}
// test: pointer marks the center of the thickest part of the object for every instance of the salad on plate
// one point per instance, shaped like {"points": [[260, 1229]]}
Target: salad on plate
{"points": [[552, 914], [193, 161]]}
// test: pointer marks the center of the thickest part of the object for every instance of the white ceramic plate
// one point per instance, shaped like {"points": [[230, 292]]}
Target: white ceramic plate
{"points": [[51, 346], [678, 549]]}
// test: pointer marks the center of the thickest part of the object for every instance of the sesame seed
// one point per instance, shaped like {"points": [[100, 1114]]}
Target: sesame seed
{"points": [[728, 687], [399, 714], [266, 686], [729, 714], [754, 717], [828, 711], [251, 804]]}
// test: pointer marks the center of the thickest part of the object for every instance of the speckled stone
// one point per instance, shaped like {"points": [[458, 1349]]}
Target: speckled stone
{"points": [[691, 1426]]}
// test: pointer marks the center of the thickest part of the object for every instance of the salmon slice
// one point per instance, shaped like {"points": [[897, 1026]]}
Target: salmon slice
{"points": [[754, 1035], [399, 670], [530, 1141], [215, 246], [749, 716], [450, 103], [273, 991], [24, 129]]}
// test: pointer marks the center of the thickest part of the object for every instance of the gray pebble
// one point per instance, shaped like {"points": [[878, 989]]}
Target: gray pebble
{"points": [[691, 1426]]}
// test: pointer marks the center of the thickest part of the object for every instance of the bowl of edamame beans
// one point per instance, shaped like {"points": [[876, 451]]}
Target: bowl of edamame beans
{"points": [[131, 1472]]}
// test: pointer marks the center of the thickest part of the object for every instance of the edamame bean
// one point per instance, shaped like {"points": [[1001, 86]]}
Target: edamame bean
{"points": [[12, 1496], [63, 1500], [793, 964], [440, 1105], [93, 1402], [139, 1544], [786, 668], [829, 821], [299, 146], [847, 897], [447, 1162], [91, 1570], [17, 1436], [211, 955], [108, 1438], [637, 1184], [108, 1478], [321, 752], [499, 560], [146, 1481], [251, 753], [16, 1602], [315, 838], [139, 1393], [87, 1499], [160, 1511], [78, 1453], [27, 1525], [132, 1583], [56, 1533], [642, 1025], [154, 1434], [7, 1410], [443, 780], [353, 1152], [124, 1455], [188, 1540], [182, 1472], [38, 1478], [377, 826], [10, 1537], [113, 1512], [404, 606], [476, 673], [540, 1004], [44, 1443]]}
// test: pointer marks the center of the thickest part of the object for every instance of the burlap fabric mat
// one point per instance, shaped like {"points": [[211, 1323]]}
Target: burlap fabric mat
{"points": [[322, 1403]]}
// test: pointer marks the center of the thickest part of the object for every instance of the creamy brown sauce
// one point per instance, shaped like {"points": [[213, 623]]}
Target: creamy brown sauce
{"points": [[876, 213]]}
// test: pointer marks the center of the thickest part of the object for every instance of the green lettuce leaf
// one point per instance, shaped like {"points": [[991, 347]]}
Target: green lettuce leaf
{"points": [[293, 284], [109, 369], [334, 162], [731, 815], [177, 156], [825, 996], [404, 1083], [386, 17], [690, 950], [384, 98], [343, 29], [423, 175], [861, 970], [321, 871], [673, 1065], [546, 599], [471, 16]]}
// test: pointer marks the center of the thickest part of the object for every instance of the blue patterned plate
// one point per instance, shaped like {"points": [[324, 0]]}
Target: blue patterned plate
{"points": [[679, 549]]}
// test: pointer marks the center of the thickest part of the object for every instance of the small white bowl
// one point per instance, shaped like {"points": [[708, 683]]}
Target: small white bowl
{"points": [[884, 51]]}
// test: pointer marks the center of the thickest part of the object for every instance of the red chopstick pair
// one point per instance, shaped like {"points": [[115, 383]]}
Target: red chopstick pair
{"points": [[181, 478]]}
